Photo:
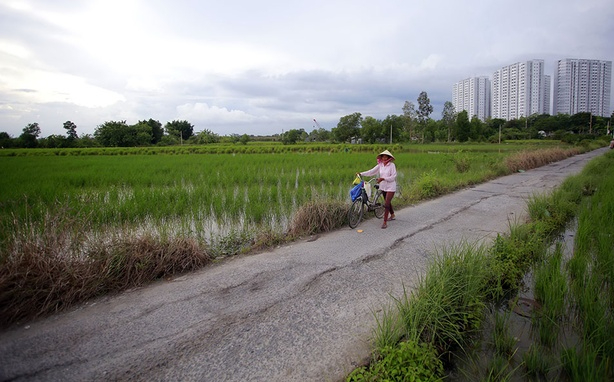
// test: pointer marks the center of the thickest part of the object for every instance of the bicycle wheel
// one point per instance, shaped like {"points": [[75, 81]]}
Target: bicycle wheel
{"points": [[379, 204], [355, 212]]}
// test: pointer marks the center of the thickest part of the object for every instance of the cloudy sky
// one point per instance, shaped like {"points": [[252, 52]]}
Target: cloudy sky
{"points": [[261, 67]]}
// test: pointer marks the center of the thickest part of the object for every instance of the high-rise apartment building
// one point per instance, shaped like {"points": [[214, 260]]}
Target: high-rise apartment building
{"points": [[472, 95], [520, 90], [582, 86]]}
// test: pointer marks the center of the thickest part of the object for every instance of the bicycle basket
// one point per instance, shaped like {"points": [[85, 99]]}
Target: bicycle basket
{"points": [[368, 189]]}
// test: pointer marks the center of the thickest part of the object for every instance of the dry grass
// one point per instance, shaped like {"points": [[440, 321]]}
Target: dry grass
{"points": [[43, 270], [318, 216], [54, 264], [527, 160]]}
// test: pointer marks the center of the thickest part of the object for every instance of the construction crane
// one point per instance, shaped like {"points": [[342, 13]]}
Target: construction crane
{"points": [[317, 124]]}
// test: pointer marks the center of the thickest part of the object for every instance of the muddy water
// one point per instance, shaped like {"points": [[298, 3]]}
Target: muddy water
{"points": [[519, 312]]}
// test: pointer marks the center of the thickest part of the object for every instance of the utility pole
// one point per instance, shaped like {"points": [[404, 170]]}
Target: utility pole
{"points": [[590, 124], [391, 133]]}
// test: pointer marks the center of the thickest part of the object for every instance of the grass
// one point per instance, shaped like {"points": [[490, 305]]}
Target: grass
{"points": [[78, 224], [571, 331]]}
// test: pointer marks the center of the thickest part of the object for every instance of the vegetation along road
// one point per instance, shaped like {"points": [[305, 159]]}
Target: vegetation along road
{"points": [[301, 312]]}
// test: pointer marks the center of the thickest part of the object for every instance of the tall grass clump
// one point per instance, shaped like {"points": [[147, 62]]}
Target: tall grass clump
{"points": [[434, 319], [318, 216], [54, 264], [527, 160]]}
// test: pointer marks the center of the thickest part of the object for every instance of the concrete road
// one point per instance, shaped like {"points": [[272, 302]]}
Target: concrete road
{"points": [[301, 312]]}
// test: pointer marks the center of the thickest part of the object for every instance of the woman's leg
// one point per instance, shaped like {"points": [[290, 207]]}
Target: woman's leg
{"points": [[388, 207]]}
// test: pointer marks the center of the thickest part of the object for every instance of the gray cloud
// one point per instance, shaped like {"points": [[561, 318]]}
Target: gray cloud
{"points": [[262, 67]]}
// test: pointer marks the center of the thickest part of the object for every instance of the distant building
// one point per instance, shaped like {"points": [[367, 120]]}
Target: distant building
{"points": [[582, 86], [472, 95], [520, 90]]}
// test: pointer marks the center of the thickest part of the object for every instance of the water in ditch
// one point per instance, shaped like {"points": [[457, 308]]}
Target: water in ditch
{"points": [[482, 363]]}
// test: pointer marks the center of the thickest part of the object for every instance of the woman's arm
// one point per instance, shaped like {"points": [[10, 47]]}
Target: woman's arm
{"points": [[371, 172]]}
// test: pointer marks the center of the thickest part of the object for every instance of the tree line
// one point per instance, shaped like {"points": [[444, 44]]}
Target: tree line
{"points": [[414, 125]]}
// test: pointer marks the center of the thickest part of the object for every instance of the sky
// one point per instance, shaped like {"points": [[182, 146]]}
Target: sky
{"points": [[268, 66]]}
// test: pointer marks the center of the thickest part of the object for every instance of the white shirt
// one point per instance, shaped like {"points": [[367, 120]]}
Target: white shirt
{"points": [[386, 171]]}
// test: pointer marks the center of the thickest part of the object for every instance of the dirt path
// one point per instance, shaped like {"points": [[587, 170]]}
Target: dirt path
{"points": [[302, 312]]}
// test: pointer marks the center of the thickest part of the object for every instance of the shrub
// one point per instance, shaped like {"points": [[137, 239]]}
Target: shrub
{"points": [[409, 361], [428, 186]]}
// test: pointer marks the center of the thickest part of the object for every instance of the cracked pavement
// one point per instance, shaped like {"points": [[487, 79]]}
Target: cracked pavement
{"points": [[300, 312]]}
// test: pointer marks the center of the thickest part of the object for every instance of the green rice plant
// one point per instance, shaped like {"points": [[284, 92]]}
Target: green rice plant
{"points": [[225, 199], [595, 314], [503, 343], [498, 369], [585, 364], [547, 329], [510, 258], [536, 362], [550, 286]]}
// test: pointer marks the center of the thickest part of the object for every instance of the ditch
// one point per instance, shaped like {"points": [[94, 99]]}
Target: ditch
{"points": [[517, 342]]}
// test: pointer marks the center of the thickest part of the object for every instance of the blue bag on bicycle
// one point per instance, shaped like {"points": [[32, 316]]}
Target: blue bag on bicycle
{"points": [[355, 191]]}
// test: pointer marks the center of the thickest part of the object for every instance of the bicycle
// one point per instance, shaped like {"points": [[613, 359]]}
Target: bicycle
{"points": [[365, 203]]}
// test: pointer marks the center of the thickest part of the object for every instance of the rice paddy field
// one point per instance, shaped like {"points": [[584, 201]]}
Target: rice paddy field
{"points": [[80, 223], [212, 193]]}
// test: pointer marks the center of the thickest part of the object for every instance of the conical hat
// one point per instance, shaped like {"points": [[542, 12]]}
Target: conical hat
{"points": [[386, 152]]}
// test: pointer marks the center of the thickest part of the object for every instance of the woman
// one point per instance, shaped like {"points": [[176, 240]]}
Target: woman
{"points": [[387, 179]]}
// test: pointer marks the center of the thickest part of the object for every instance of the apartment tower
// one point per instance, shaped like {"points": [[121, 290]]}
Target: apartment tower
{"points": [[582, 86], [520, 90], [472, 95]]}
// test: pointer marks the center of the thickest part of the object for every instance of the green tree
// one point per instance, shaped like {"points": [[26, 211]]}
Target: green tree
{"points": [[115, 134], [581, 122], [410, 118], [29, 136], [347, 128], [5, 140], [55, 141], [205, 137], [319, 135], [290, 137], [424, 110], [155, 127], [371, 130], [448, 117], [71, 131], [463, 127], [494, 126], [476, 130], [180, 129], [244, 139], [392, 128]]}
